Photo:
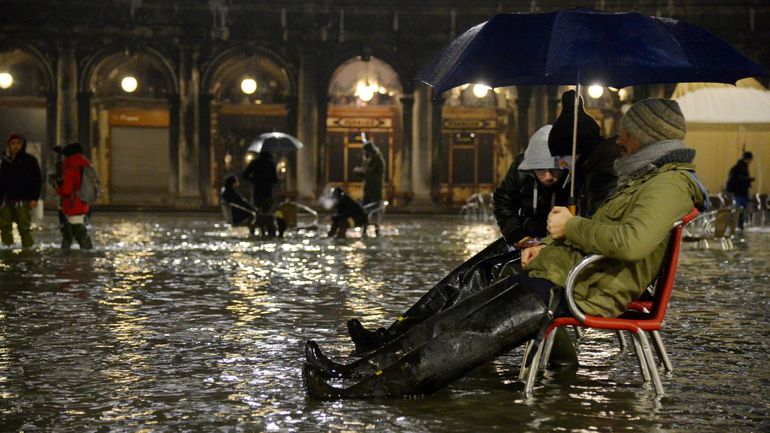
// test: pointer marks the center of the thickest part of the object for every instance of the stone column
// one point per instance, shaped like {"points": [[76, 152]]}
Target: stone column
{"points": [[307, 125], [524, 95], [407, 109], [323, 112], [204, 137], [173, 145], [439, 150], [422, 148], [66, 91], [189, 123], [84, 121]]}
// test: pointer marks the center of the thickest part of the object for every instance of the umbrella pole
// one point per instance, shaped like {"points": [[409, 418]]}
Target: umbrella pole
{"points": [[572, 203]]}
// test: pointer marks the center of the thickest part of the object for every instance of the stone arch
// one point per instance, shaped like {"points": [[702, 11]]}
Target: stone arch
{"points": [[111, 62], [354, 75], [31, 63], [225, 66]]}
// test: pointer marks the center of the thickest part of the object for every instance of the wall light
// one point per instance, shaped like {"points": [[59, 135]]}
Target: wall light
{"points": [[596, 91], [6, 80], [248, 86], [480, 90], [129, 84], [365, 91]]}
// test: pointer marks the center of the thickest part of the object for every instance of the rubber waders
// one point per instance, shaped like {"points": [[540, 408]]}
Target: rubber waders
{"points": [[492, 323]]}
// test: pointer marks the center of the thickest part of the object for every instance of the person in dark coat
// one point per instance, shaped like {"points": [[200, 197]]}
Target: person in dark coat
{"points": [[373, 172], [738, 183], [348, 213], [242, 213], [261, 172], [534, 184], [20, 184], [74, 209]]}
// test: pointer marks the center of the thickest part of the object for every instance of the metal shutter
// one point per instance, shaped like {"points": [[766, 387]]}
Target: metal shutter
{"points": [[140, 166]]}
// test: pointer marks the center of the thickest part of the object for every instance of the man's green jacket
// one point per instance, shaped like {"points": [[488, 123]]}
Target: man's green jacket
{"points": [[632, 229]]}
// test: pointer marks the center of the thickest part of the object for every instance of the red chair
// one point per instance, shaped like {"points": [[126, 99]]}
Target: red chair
{"points": [[640, 317]]}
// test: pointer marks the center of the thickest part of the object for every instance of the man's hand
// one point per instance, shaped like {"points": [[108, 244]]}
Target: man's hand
{"points": [[32, 204], [557, 222], [529, 254]]}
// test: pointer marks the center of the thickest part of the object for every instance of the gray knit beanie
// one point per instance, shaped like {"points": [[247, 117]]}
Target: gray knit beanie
{"points": [[653, 120]]}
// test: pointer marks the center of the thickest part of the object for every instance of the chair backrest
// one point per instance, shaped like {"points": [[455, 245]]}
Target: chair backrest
{"points": [[721, 222], [375, 211], [664, 283]]}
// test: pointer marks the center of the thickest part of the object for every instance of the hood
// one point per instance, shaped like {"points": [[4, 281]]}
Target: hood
{"points": [[77, 160], [23, 144]]}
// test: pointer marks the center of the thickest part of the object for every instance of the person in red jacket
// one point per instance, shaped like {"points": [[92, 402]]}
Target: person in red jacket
{"points": [[73, 208]]}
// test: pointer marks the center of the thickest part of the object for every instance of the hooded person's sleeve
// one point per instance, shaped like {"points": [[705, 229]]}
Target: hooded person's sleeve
{"points": [[507, 203], [35, 180]]}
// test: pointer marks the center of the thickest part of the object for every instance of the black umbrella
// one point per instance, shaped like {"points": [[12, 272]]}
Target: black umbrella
{"points": [[275, 142], [583, 46]]}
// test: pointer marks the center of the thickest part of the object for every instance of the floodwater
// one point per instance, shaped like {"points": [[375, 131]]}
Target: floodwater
{"points": [[175, 323]]}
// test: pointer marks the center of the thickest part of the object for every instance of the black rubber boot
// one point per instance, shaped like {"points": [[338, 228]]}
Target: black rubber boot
{"points": [[563, 354], [414, 338], [81, 235], [438, 298], [493, 328], [364, 339], [66, 235]]}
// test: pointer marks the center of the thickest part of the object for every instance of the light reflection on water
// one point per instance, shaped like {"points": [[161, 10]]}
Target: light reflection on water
{"points": [[175, 323]]}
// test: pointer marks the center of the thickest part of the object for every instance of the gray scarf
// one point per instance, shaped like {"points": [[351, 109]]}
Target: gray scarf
{"points": [[641, 162]]}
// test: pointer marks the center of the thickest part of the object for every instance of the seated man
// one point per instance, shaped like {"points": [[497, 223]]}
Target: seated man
{"points": [[349, 213], [241, 212], [522, 201], [656, 188]]}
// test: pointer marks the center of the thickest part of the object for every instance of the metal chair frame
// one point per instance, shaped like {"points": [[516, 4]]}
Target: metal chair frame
{"points": [[640, 318]]}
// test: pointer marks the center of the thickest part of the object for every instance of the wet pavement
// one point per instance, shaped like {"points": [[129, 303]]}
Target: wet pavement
{"points": [[175, 323]]}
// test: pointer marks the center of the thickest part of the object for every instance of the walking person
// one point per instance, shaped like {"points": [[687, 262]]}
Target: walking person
{"points": [[739, 182], [20, 183], [73, 207], [261, 172], [373, 171]]}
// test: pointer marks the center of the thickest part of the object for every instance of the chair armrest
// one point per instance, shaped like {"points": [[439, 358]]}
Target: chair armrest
{"points": [[570, 286]]}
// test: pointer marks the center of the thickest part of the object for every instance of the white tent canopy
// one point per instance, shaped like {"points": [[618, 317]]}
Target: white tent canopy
{"points": [[741, 105]]}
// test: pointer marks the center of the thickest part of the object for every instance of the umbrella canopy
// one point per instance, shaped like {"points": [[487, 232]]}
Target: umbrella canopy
{"points": [[726, 105], [275, 142], [583, 46]]}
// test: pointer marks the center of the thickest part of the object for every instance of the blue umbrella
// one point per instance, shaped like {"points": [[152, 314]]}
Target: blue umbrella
{"points": [[275, 142], [584, 46]]}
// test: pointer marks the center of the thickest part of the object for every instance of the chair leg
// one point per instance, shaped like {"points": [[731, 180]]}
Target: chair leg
{"points": [[621, 340], [547, 350], [523, 368], [640, 358], [647, 351], [661, 349], [578, 332], [532, 371]]}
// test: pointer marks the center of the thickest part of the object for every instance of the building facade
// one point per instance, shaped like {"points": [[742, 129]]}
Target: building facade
{"points": [[167, 96]]}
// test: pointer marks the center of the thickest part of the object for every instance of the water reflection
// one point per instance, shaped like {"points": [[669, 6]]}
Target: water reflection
{"points": [[175, 323]]}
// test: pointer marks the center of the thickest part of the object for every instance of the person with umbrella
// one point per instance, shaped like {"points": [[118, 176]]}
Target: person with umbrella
{"points": [[656, 187], [373, 171], [262, 174]]}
